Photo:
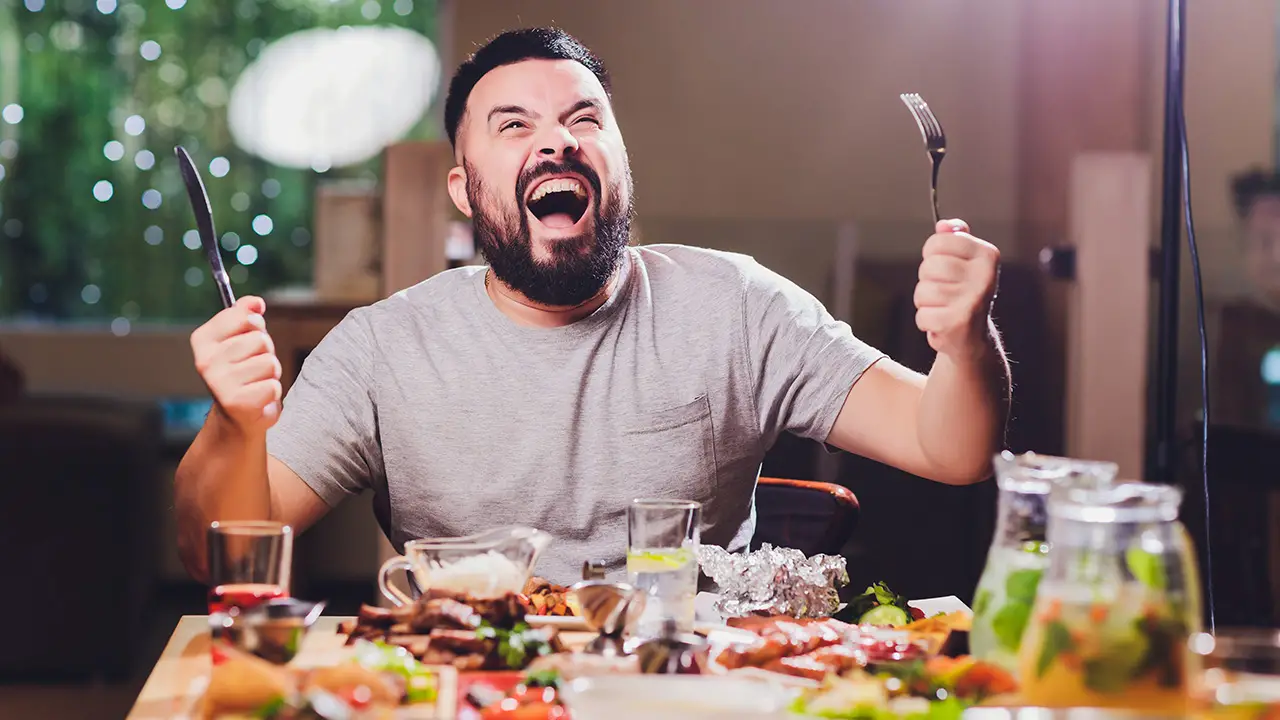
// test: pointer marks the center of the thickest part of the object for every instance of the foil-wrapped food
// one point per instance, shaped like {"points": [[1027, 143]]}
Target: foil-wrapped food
{"points": [[774, 581]]}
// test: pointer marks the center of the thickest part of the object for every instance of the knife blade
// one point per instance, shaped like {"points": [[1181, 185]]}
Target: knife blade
{"points": [[204, 224]]}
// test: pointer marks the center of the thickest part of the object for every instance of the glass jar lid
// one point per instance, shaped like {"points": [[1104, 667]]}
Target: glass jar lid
{"points": [[1125, 502], [1035, 474]]}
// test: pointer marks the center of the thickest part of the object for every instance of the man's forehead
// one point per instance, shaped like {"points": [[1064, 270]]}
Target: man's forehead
{"points": [[536, 85]]}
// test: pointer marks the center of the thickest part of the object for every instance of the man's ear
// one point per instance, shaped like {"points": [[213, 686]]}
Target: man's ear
{"points": [[458, 190]]}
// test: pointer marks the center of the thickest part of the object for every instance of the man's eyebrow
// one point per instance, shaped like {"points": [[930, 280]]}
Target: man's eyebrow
{"points": [[583, 104], [509, 110]]}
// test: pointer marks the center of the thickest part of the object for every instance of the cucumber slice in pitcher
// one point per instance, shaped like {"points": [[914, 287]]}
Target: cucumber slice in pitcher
{"points": [[891, 615]]}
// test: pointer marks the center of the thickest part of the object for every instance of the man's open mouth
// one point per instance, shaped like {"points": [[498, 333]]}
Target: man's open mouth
{"points": [[559, 202]]}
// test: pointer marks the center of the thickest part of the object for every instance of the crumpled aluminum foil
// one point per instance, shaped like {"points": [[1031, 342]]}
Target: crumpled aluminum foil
{"points": [[774, 581]]}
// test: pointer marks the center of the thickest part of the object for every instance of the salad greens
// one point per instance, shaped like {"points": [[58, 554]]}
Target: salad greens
{"points": [[871, 607], [517, 646], [934, 689], [420, 683], [543, 678]]}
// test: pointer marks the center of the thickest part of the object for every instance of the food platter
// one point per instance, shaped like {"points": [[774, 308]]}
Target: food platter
{"points": [[543, 651]]}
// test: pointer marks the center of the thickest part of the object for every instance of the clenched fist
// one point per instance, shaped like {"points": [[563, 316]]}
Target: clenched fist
{"points": [[957, 284], [237, 361]]}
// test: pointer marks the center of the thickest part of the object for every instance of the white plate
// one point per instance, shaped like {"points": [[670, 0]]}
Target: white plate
{"points": [[560, 622], [940, 605], [675, 697]]}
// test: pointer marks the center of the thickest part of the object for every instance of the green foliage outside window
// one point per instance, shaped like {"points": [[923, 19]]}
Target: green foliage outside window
{"points": [[94, 94]]}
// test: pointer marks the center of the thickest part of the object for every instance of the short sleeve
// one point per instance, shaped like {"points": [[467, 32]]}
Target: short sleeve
{"points": [[804, 360], [328, 428]]}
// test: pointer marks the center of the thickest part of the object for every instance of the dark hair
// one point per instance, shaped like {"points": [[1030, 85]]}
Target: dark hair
{"points": [[1248, 187], [510, 47]]}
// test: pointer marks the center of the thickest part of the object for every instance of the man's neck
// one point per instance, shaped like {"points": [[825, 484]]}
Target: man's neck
{"points": [[526, 312]]}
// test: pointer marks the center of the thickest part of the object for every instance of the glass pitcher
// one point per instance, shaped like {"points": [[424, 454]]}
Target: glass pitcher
{"points": [[1019, 552], [1115, 609], [484, 565]]}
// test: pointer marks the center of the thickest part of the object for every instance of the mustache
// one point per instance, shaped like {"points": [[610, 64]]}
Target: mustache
{"points": [[552, 167]]}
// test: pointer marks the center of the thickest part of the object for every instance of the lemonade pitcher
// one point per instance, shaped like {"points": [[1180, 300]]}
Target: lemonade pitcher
{"points": [[1111, 620], [1019, 553]]}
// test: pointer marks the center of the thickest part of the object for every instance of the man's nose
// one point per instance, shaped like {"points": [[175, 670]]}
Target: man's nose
{"points": [[558, 142]]}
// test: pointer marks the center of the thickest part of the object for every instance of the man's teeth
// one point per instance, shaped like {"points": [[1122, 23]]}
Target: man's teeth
{"points": [[558, 185]]}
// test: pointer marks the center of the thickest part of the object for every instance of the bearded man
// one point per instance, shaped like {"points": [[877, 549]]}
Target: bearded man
{"points": [[574, 373]]}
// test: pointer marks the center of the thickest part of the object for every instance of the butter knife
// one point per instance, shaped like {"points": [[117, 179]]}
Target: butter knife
{"points": [[204, 224]]}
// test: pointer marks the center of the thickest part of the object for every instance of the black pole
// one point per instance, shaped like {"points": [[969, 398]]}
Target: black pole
{"points": [[1162, 455]]}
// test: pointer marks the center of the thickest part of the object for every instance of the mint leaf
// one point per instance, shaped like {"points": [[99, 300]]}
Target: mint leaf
{"points": [[1147, 568], [981, 602], [1121, 660], [1057, 640], [1009, 623], [1021, 585]]}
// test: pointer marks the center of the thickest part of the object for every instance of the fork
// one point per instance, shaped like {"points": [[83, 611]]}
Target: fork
{"points": [[935, 141]]}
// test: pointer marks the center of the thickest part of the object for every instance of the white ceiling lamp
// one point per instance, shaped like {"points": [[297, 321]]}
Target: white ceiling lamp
{"points": [[326, 98]]}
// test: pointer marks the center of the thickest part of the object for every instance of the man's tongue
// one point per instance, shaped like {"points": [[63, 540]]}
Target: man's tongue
{"points": [[558, 220]]}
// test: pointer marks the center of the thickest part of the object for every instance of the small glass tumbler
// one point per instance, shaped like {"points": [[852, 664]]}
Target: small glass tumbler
{"points": [[662, 562], [249, 563]]}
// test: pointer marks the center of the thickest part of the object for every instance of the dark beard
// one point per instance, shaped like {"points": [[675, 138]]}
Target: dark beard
{"points": [[579, 266]]}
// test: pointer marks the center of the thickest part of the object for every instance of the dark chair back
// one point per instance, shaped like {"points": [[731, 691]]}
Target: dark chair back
{"points": [[812, 517], [78, 532]]}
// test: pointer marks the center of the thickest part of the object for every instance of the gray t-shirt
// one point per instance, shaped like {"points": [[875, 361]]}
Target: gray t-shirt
{"points": [[460, 420]]}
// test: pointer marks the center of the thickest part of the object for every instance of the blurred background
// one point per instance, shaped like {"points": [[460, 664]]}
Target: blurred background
{"points": [[767, 128]]}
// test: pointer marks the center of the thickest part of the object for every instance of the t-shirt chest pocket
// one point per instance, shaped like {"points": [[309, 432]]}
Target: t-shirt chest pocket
{"points": [[669, 452]]}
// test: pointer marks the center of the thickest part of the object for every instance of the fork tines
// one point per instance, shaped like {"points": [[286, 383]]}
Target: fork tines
{"points": [[930, 128]]}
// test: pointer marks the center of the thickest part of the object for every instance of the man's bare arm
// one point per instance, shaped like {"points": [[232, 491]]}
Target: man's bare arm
{"points": [[943, 427], [947, 426], [227, 475]]}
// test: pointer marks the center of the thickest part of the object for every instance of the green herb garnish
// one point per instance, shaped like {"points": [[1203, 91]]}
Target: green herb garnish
{"points": [[1021, 585], [1164, 636], [1057, 640], [981, 602], [875, 595], [515, 647], [421, 684], [1009, 624], [543, 678], [1147, 568]]}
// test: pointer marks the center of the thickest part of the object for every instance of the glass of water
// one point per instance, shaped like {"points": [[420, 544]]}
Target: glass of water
{"points": [[662, 561]]}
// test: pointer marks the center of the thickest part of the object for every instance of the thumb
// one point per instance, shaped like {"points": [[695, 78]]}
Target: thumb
{"points": [[252, 303], [951, 226]]}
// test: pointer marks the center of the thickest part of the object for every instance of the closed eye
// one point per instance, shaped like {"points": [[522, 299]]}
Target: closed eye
{"points": [[589, 119]]}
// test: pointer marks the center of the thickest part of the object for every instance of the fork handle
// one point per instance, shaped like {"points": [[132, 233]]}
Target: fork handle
{"points": [[933, 189]]}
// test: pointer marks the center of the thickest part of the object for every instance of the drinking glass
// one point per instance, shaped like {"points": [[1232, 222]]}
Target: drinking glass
{"points": [[662, 562], [1238, 674], [249, 563]]}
